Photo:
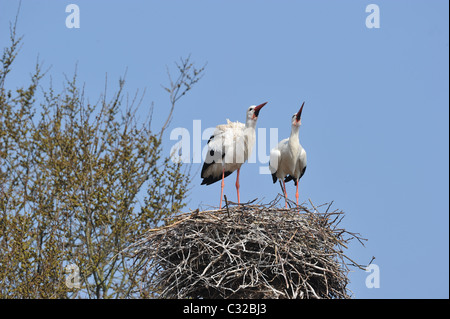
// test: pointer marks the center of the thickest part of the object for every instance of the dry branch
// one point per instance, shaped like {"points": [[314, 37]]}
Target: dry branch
{"points": [[247, 251]]}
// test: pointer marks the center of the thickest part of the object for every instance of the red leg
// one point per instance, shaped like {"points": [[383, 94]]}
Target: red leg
{"points": [[237, 186], [221, 187], [296, 194], [285, 194]]}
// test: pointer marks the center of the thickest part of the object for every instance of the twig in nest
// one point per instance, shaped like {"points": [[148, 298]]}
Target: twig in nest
{"points": [[226, 203], [248, 251]]}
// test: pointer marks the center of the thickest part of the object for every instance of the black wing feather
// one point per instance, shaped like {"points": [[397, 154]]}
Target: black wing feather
{"points": [[291, 178], [208, 180], [212, 179], [274, 177]]}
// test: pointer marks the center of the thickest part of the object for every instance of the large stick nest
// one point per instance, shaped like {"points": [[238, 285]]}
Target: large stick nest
{"points": [[248, 251]]}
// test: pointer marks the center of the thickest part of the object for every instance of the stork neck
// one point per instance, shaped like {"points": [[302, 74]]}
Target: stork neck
{"points": [[294, 131], [250, 123], [293, 139]]}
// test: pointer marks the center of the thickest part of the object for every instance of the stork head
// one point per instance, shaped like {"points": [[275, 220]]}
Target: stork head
{"points": [[297, 117], [253, 111]]}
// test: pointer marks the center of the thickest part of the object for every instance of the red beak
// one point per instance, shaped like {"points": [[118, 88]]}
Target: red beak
{"points": [[258, 108], [299, 114]]}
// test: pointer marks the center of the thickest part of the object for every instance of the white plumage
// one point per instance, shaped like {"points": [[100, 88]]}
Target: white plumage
{"points": [[228, 148], [288, 158]]}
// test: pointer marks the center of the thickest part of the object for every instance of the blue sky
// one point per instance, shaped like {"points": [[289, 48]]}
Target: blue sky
{"points": [[375, 121]]}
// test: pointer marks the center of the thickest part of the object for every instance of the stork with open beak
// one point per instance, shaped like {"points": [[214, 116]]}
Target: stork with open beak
{"points": [[228, 148], [288, 158]]}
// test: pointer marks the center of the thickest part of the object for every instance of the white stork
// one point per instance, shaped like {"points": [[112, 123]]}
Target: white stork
{"points": [[288, 158], [228, 148]]}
